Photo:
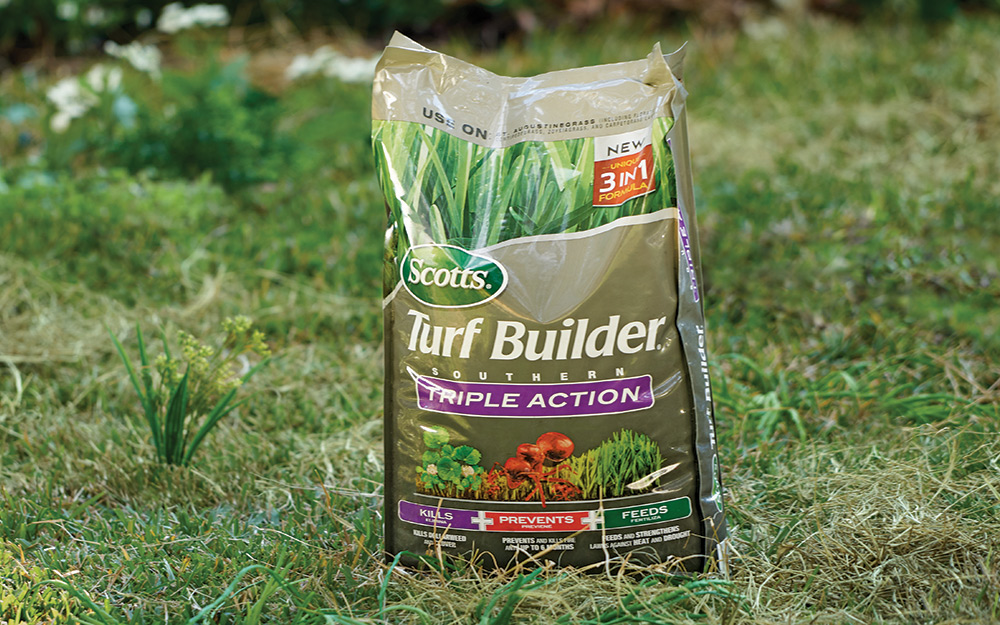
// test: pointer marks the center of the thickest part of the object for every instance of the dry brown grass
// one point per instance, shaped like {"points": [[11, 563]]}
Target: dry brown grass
{"points": [[883, 533]]}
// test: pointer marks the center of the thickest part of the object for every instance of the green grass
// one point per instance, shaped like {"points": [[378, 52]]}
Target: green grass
{"points": [[848, 183], [450, 188], [608, 469]]}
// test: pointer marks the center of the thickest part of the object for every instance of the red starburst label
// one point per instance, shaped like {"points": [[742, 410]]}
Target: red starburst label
{"points": [[623, 167]]}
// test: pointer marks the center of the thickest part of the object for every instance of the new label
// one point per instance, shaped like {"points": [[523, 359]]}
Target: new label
{"points": [[448, 276], [623, 167]]}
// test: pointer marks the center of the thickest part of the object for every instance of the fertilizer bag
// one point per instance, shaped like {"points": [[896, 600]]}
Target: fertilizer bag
{"points": [[546, 381]]}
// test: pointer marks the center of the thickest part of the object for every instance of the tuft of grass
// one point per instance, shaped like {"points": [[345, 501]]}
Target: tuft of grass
{"points": [[181, 409]]}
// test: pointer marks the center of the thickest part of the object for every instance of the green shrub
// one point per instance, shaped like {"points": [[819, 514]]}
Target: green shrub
{"points": [[209, 121]]}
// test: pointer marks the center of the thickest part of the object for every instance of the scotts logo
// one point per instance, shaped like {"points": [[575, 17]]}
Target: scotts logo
{"points": [[448, 276]]}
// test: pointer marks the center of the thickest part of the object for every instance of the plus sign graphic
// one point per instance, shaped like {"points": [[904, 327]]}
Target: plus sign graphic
{"points": [[594, 519]]}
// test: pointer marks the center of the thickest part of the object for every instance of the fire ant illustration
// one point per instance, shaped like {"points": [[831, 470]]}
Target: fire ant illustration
{"points": [[529, 464]]}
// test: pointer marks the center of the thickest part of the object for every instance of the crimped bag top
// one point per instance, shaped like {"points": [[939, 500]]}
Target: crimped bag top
{"points": [[496, 111]]}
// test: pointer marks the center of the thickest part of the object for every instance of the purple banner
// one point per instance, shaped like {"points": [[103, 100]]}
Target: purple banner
{"points": [[441, 518], [569, 399]]}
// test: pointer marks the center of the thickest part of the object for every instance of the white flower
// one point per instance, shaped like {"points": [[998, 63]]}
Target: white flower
{"points": [[144, 58], [300, 66], [328, 62], [143, 18], [102, 78], [65, 10], [467, 471], [771, 28], [173, 18], [308, 64], [176, 18], [73, 97], [95, 16], [353, 69], [432, 469], [244, 365], [71, 101], [60, 121]]}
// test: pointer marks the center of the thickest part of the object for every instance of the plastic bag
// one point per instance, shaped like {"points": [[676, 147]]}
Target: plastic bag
{"points": [[547, 390]]}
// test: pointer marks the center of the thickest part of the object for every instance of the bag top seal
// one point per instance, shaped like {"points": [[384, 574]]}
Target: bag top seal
{"points": [[423, 86]]}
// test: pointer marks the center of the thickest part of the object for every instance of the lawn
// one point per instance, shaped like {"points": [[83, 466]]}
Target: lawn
{"points": [[848, 186]]}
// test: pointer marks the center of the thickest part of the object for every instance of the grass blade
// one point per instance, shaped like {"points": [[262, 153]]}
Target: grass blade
{"points": [[174, 422], [147, 379], [101, 616], [510, 591], [147, 401]]}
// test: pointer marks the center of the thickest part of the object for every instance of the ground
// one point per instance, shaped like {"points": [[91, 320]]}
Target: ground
{"points": [[847, 183]]}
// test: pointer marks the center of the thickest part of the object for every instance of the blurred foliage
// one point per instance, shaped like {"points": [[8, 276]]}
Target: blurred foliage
{"points": [[29, 28], [926, 10], [215, 123], [200, 118], [69, 26]]}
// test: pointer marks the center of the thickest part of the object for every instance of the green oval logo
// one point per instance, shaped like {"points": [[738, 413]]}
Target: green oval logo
{"points": [[448, 276]]}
